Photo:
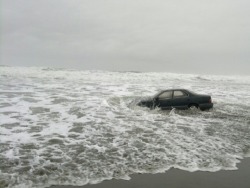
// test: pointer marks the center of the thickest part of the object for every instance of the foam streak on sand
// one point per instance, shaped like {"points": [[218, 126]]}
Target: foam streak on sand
{"points": [[77, 127]]}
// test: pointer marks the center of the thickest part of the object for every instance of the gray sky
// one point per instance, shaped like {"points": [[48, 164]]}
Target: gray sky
{"points": [[185, 36]]}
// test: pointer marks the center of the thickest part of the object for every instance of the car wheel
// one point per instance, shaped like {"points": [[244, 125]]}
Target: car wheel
{"points": [[193, 106]]}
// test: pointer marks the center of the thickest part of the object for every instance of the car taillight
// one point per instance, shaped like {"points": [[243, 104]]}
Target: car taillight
{"points": [[210, 100]]}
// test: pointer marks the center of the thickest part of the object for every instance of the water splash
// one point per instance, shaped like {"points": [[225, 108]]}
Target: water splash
{"points": [[78, 127]]}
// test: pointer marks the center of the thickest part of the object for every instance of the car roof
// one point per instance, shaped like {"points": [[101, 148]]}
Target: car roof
{"points": [[175, 89]]}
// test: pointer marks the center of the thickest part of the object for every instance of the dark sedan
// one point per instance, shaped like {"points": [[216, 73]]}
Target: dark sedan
{"points": [[179, 99]]}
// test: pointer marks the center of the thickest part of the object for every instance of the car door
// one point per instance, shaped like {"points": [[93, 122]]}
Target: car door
{"points": [[180, 99], [164, 100]]}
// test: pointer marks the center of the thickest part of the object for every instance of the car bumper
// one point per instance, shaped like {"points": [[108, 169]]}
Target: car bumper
{"points": [[206, 106]]}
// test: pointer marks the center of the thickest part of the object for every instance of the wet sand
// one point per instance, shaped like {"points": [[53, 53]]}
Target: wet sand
{"points": [[175, 178]]}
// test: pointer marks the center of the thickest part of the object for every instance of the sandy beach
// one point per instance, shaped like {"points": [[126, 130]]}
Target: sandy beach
{"points": [[176, 178]]}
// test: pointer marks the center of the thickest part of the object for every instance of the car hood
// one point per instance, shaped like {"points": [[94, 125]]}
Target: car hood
{"points": [[146, 99]]}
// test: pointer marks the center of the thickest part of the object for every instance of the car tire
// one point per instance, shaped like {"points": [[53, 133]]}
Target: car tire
{"points": [[193, 106]]}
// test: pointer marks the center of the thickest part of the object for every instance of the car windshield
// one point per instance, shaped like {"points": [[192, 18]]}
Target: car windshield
{"points": [[154, 96], [159, 92]]}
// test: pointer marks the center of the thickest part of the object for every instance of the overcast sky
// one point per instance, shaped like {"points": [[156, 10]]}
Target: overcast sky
{"points": [[183, 36]]}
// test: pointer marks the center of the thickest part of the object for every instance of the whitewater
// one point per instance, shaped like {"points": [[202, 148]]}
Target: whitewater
{"points": [[72, 127]]}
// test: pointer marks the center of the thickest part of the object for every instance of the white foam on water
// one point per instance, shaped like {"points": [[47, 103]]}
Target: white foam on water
{"points": [[71, 127]]}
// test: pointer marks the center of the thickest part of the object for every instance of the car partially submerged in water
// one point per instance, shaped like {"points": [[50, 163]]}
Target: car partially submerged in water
{"points": [[179, 99]]}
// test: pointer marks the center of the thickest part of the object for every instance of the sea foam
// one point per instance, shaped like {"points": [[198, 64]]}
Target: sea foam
{"points": [[76, 127]]}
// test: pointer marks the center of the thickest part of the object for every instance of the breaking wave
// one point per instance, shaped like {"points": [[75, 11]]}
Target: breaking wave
{"points": [[77, 127]]}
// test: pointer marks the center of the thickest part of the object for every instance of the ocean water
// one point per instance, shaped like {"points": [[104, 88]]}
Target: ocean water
{"points": [[69, 127]]}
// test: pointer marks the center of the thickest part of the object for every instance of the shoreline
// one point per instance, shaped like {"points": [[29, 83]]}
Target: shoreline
{"points": [[175, 178]]}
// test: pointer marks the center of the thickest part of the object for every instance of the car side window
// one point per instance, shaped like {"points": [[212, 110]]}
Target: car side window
{"points": [[179, 94], [165, 95]]}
